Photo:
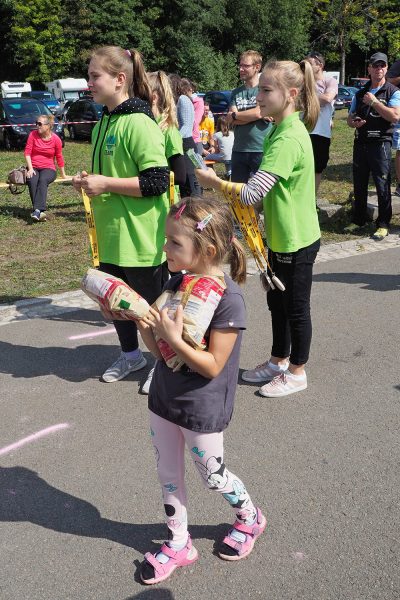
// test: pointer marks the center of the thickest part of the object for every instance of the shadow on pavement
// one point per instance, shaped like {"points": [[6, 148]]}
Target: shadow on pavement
{"points": [[379, 283], [72, 364], [152, 593], [24, 496]]}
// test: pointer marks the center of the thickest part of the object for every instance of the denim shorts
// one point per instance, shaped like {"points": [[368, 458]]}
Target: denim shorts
{"points": [[396, 137]]}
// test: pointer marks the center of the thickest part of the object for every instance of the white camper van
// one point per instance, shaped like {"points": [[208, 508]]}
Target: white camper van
{"points": [[67, 89], [14, 89]]}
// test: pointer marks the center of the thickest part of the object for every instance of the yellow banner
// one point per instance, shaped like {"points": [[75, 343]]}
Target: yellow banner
{"points": [[91, 227]]}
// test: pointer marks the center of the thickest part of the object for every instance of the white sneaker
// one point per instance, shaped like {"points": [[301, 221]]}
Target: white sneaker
{"points": [[122, 367], [263, 372], [283, 385], [146, 385]]}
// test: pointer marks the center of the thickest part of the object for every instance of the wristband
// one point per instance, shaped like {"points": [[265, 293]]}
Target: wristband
{"points": [[373, 101]]}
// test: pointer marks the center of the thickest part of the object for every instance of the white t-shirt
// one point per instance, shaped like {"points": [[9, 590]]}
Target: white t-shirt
{"points": [[225, 144], [323, 126]]}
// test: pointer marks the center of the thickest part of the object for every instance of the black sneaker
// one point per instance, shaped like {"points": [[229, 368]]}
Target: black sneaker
{"points": [[35, 216]]}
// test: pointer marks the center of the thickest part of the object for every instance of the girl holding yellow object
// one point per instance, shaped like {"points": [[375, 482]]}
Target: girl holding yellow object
{"points": [[285, 183]]}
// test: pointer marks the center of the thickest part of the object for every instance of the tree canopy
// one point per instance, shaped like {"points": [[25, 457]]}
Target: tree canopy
{"points": [[202, 40]]}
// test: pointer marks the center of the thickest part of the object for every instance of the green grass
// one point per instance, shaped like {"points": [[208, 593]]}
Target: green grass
{"points": [[44, 258]]}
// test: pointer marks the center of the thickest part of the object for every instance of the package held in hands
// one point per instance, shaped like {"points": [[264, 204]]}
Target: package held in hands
{"points": [[114, 295], [199, 296]]}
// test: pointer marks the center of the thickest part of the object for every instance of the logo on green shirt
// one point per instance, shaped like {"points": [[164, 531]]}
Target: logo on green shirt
{"points": [[110, 144]]}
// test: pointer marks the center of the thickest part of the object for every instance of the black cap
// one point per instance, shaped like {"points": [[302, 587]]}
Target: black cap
{"points": [[377, 57]]}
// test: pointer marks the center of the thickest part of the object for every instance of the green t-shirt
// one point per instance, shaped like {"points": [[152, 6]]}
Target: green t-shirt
{"points": [[130, 230], [291, 220], [173, 146], [250, 137], [173, 142]]}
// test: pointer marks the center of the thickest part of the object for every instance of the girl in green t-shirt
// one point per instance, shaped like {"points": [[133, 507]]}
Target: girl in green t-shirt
{"points": [[127, 187], [285, 182], [164, 109]]}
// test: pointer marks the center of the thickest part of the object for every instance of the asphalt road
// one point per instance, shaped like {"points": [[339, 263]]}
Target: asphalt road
{"points": [[80, 506]]}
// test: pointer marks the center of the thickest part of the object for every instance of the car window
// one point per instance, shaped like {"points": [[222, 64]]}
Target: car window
{"points": [[19, 109], [217, 98]]}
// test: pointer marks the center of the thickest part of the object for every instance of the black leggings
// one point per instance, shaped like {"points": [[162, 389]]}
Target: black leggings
{"points": [[191, 187], [146, 281], [38, 184], [290, 310]]}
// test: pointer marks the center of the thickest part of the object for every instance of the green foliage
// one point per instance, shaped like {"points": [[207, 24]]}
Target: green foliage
{"points": [[38, 38], [45, 39]]}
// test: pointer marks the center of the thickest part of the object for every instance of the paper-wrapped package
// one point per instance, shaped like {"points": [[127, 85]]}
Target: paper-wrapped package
{"points": [[114, 296], [198, 294]]}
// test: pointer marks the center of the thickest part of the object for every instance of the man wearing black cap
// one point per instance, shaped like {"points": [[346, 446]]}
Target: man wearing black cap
{"points": [[373, 111]]}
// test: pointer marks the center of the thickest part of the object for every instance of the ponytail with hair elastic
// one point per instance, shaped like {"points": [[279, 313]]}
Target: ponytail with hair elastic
{"points": [[140, 83], [309, 98]]}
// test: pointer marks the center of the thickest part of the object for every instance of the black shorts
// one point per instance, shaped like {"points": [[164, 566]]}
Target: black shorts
{"points": [[320, 146]]}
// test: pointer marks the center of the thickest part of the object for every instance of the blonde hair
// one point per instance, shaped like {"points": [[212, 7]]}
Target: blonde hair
{"points": [[115, 59], [218, 232], [50, 119], [288, 74], [253, 55], [160, 85]]}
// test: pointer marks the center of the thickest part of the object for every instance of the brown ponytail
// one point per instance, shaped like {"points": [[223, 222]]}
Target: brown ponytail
{"points": [[237, 261], [140, 84]]}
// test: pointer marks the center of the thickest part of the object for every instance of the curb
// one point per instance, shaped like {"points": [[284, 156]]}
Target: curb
{"points": [[48, 306]]}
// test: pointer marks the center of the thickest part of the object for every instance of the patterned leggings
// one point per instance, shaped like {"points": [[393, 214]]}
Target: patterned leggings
{"points": [[207, 452]]}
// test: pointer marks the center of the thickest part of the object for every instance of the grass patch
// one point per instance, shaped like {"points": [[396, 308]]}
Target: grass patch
{"points": [[45, 258]]}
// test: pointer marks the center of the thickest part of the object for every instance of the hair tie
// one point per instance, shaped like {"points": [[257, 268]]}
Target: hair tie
{"points": [[128, 52], [179, 212], [202, 224]]}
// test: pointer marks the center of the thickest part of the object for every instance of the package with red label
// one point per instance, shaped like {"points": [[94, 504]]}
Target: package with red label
{"points": [[114, 296], [199, 296]]}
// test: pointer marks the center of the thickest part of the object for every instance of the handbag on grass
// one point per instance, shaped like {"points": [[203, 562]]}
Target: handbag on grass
{"points": [[17, 180]]}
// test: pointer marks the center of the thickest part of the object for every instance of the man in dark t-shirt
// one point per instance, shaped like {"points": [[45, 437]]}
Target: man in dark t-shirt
{"points": [[250, 129]]}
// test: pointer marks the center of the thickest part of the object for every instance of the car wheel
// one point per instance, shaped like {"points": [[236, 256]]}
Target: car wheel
{"points": [[72, 132], [7, 142]]}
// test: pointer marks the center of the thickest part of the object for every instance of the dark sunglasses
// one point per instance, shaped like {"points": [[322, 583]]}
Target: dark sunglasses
{"points": [[40, 124], [379, 65]]}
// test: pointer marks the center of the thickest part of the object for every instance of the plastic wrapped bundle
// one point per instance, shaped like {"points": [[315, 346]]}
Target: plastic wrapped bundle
{"points": [[199, 296], [114, 296]]}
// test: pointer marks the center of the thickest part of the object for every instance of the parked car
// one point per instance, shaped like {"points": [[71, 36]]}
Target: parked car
{"points": [[20, 114], [46, 97], [219, 101], [359, 82], [338, 103], [82, 110], [345, 95]]}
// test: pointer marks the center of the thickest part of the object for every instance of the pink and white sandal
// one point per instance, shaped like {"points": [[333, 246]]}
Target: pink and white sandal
{"points": [[177, 558], [235, 550]]}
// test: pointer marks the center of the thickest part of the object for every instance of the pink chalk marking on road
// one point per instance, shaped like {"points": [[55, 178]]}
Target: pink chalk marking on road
{"points": [[90, 335], [33, 437]]}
